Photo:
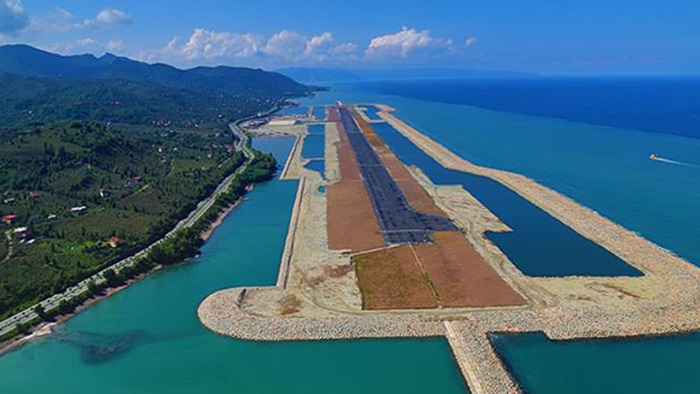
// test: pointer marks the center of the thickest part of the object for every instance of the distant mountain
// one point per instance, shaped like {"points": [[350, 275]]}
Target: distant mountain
{"points": [[38, 86], [29, 61], [320, 75]]}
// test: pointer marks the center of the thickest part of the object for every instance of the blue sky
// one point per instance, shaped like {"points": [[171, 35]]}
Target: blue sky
{"points": [[542, 36]]}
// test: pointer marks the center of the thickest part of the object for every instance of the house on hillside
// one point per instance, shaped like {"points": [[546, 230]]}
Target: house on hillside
{"points": [[114, 241]]}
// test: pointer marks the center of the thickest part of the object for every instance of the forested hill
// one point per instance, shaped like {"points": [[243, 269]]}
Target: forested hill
{"points": [[38, 86]]}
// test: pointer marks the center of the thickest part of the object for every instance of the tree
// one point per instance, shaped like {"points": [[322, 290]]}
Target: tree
{"points": [[22, 328], [93, 288], [64, 307], [41, 312], [111, 278]]}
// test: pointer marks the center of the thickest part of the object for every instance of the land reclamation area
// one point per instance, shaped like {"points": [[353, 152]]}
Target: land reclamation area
{"points": [[487, 252]]}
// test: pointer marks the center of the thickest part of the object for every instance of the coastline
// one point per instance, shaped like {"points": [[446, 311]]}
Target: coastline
{"points": [[46, 328], [209, 231]]}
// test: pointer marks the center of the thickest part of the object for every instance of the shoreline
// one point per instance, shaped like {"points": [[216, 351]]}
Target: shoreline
{"points": [[209, 231], [46, 328]]}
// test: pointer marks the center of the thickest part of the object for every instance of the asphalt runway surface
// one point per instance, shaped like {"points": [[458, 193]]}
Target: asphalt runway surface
{"points": [[399, 222]]}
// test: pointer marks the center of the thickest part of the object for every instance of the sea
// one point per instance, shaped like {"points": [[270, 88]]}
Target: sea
{"points": [[590, 139]]}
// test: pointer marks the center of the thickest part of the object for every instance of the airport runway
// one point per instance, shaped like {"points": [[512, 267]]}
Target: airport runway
{"points": [[398, 221]]}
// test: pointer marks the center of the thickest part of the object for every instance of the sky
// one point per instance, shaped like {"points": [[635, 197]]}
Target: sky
{"points": [[593, 37]]}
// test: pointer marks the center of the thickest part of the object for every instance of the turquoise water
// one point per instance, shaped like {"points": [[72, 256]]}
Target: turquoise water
{"points": [[294, 111], [147, 338], [320, 113], [318, 165], [653, 365], [314, 146], [539, 245]]}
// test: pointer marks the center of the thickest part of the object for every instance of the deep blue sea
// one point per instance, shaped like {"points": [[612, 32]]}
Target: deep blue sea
{"points": [[663, 105], [589, 139]]}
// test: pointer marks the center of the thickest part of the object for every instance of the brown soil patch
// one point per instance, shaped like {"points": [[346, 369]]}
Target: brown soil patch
{"points": [[290, 304], [460, 276], [352, 224], [392, 279]]}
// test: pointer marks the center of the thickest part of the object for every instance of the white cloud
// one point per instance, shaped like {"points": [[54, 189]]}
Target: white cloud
{"points": [[284, 47], [286, 44], [87, 42], [12, 17], [207, 44], [112, 16], [470, 42], [115, 46], [318, 44], [405, 44], [346, 48]]}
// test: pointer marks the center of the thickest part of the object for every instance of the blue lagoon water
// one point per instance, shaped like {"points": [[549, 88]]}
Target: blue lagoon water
{"points": [[314, 146], [371, 112], [147, 338], [316, 128], [318, 165], [320, 113]]}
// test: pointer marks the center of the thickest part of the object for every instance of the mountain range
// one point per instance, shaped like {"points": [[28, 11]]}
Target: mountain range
{"points": [[39, 86]]}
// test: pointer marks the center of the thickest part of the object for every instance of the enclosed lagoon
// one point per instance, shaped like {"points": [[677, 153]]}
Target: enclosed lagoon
{"points": [[318, 165], [320, 113], [371, 111], [314, 146]]}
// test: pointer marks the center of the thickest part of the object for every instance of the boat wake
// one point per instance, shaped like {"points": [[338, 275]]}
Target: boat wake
{"points": [[678, 163]]}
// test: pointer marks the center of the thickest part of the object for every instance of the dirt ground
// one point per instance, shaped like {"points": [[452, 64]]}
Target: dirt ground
{"points": [[460, 276], [352, 224], [392, 279]]}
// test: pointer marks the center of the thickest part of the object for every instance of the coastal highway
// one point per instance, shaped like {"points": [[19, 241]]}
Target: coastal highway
{"points": [[28, 315]]}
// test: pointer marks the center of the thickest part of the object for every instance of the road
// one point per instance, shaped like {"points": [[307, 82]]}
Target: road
{"points": [[28, 315]]}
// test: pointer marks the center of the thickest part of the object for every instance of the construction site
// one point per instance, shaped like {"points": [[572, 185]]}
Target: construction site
{"points": [[377, 249]]}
